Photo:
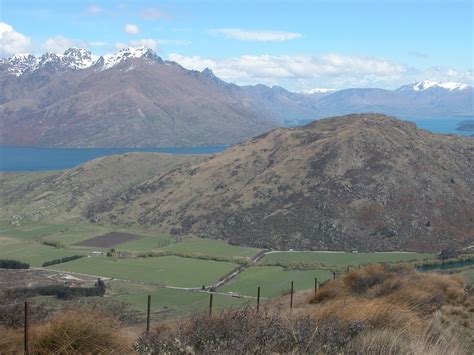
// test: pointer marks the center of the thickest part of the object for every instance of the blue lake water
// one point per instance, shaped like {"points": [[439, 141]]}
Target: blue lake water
{"points": [[36, 159]]}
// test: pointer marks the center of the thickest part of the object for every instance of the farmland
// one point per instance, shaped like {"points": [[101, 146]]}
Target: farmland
{"points": [[178, 264], [168, 270], [337, 260], [274, 281]]}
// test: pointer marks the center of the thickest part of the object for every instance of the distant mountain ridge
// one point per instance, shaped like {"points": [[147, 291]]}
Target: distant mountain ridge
{"points": [[133, 98]]}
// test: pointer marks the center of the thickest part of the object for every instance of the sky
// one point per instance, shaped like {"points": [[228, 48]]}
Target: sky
{"points": [[299, 45]]}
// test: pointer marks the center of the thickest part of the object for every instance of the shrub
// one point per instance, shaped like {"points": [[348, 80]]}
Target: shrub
{"points": [[60, 291], [13, 264], [242, 331], [62, 260], [57, 245]]}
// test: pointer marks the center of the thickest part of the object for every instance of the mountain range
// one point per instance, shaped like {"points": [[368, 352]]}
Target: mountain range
{"points": [[133, 98], [357, 182]]}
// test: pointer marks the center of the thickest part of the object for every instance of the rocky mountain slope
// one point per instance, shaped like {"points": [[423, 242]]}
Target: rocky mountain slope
{"points": [[365, 182], [134, 98], [131, 98], [62, 196]]}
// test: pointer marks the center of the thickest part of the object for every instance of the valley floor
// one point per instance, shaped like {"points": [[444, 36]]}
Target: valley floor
{"points": [[178, 273]]}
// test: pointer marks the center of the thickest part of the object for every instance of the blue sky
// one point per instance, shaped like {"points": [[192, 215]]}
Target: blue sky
{"points": [[296, 44]]}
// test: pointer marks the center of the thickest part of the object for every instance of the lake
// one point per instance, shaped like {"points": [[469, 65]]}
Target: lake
{"points": [[36, 159]]}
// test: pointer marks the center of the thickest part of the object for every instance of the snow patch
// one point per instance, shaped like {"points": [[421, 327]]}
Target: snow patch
{"points": [[427, 84], [317, 91]]}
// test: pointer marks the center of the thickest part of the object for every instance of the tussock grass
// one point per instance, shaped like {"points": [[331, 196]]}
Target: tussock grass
{"points": [[71, 332], [396, 304]]}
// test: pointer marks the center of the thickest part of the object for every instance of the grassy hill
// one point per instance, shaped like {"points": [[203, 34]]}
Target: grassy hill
{"points": [[63, 195]]}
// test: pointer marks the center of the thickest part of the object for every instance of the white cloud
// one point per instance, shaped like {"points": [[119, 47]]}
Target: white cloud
{"points": [[12, 42], [59, 44], [329, 70], [264, 36], [94, 10], [251, 69], [152, 13], [147, 42], [132, 29]]}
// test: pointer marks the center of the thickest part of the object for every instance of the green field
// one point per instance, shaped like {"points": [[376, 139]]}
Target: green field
{"points": [[273, 274], [169, 270], [30, 252], [209, 247], [338, 259], [273, 280], [171, 301]]}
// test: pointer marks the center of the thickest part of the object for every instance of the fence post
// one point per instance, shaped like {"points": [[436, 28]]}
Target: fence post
{"points": [[258, 298], [26, 329], [333, 275], [148, 315], [315, 285], [210, 304], [291, 295]]}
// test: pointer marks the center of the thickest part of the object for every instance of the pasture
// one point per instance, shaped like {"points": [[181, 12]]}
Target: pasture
{"points": [[30, 252], [273, 281], [210, 247], [135, 278], [171, 302], [337, 260], [168, 270]]}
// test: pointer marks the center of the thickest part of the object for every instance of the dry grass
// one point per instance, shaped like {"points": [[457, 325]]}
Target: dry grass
{"points": [[397, 304], [70, 333]]}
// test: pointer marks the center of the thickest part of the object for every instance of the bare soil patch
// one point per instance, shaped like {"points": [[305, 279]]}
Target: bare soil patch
{"points": [[109, 240]]}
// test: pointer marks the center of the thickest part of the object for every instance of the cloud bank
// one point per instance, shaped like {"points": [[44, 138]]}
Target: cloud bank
{"points": [[13, 42], [263, 36]]}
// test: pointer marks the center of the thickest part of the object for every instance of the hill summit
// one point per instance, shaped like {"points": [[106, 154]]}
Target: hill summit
{"points": [[357, 182]]}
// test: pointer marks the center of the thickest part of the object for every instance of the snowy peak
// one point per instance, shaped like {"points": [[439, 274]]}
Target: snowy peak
{"points": [[74, 59], [78, 58], [110, 60], [20, 63], [317, 91], [428, 84]]}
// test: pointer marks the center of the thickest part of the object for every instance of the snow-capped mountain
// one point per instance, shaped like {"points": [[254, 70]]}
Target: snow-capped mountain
{"points": [[73, 58], [317, 91], [134, 98], [110, 60], [429, 84]]}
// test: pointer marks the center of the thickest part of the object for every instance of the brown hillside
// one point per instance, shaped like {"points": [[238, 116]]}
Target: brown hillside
{"points": [[367, 182]]}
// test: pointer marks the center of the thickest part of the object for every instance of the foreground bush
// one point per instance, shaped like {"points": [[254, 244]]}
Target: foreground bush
{"points": [[70, 333], [243, 331]]}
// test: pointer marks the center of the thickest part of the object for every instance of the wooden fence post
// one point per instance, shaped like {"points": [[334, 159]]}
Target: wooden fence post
{"points": [[148, 315], [258, 298], [315, 285], [210, 304], [291, 295], [26, 329]]}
